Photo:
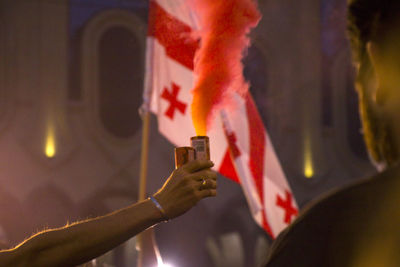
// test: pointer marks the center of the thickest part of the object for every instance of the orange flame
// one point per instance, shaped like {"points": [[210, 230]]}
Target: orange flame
{"points": [[225, 25]]}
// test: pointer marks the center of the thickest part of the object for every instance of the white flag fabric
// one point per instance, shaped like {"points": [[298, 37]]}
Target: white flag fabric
{"points": [[240, 146]]}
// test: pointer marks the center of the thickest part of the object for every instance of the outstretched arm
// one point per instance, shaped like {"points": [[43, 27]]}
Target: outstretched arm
{"points": [[82, 241]]}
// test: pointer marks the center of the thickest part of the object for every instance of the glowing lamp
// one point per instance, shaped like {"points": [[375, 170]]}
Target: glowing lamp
{"points": [[308, 169], [308, 162], [50, 145]]}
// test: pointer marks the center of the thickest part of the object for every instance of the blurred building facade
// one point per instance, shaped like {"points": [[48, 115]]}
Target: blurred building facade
{"points": [[71, 77]]}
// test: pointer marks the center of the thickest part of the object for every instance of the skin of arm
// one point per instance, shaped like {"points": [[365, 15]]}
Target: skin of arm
{"points": [[82, 241]]}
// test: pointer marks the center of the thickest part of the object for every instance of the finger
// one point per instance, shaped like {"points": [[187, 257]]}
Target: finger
{"points": [[207, 193], [204, 174], [197, 165], [207, 184]]}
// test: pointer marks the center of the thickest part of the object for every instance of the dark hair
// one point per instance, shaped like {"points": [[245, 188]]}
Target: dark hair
{"points": [[371, 20]]}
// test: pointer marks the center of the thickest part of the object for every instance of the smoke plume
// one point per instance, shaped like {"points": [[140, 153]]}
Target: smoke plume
{"points": [[224, 28]]}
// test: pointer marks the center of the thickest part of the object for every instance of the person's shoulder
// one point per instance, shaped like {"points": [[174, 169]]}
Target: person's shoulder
{"points": [[360, 190], [336, 210], [11, 258]]}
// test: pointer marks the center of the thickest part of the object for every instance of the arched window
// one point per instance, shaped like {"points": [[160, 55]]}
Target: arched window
{"points": [[120, 81], [112, 71]]}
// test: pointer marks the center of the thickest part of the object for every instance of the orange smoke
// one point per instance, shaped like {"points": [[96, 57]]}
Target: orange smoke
{"points": [[225, 25]]}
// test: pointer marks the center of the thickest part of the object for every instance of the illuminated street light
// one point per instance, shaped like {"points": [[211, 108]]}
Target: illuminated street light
{"points": [[308, 159], [50, 146]]}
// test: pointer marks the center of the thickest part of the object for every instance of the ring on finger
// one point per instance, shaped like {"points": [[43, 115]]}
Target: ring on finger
{"points": [[203, 184]]}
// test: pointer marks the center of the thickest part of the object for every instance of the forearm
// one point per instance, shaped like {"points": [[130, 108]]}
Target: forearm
{"points": [[82, 241]]}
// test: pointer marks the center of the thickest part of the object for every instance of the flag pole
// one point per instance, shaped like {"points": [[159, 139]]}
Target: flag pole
{"points": [[144, 155], [148, 254], [145, 114]]}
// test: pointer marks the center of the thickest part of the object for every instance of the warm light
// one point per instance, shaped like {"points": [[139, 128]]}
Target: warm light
{"points": [[50, 147], [200, 115], [308, 161], [165, 265], [308, 169]]}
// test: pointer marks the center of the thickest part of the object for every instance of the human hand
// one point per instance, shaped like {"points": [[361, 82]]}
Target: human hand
{"points": [[186, 186]]}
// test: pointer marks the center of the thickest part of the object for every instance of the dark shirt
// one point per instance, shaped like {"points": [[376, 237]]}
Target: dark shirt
{"points": [[356, 223]]}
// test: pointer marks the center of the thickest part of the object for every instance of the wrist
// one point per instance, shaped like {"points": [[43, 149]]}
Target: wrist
{"points": [[153, 213], [159, 207]]}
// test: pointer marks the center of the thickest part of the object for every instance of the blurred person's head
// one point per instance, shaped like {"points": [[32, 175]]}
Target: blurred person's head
{"points": [[374, 31]]}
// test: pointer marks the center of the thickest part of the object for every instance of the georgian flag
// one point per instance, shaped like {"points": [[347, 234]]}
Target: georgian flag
{"points": [[240, 146]]}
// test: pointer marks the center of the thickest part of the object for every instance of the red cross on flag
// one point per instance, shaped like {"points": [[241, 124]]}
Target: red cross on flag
{"points": [[240, 146], [173, 101]]}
